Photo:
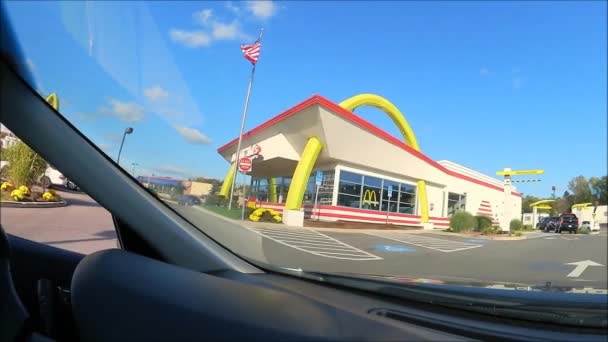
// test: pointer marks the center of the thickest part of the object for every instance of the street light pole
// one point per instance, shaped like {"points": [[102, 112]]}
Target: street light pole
{"points": [[133, 171], [128, 130]]}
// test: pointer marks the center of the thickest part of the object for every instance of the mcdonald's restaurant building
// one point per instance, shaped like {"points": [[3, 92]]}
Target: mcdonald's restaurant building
{"points": [[367, 175]]}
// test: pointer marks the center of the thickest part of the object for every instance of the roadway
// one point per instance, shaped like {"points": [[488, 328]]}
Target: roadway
{"points": [[563, 260]]}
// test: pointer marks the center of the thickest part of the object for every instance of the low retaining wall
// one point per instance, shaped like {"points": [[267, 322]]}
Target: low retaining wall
{"points": [[13, 204]]}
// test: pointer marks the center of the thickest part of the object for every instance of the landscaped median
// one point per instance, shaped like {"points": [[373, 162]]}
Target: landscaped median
{"points": [[464, 224], [22, 197]]}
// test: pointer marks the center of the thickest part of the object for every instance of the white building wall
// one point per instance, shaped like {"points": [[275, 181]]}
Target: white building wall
{"points": [[586, 214]]}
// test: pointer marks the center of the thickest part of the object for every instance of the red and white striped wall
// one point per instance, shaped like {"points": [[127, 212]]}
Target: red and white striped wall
{"points": [[485, 209], [335, 213]]}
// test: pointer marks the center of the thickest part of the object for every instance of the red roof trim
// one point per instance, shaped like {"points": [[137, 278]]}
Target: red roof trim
{"points": [[317, 99]]}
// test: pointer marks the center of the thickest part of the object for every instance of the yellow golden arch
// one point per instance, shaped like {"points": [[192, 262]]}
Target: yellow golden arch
{"points": [[314, 146], [370, 198]]}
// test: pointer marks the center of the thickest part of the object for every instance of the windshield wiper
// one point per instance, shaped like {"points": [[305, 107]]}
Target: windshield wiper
{"points": [[547, 307]]}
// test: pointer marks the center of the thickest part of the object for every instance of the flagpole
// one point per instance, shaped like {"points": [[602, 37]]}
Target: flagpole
{"points": [[238, 146]]}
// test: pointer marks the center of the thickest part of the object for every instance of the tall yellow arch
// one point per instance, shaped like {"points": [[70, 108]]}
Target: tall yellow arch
{"points": [[395, 114]]}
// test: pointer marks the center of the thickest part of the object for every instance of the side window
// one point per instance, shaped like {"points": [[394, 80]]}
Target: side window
{"points": [[38, 203]]}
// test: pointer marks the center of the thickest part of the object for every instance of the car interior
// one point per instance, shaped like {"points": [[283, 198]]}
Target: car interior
{"points": [[169, 281]]}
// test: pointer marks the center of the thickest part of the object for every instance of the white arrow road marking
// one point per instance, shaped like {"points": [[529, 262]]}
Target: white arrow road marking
{"points": [[581, 266]]}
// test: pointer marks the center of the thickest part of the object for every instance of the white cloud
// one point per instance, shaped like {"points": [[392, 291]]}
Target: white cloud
{"points": [[156, 93], [172, 170], [126, 111], [484, 71], [262, 9], [203, 17], [192, 135], [212, 30], [226, 31], [86, 117], [112, 136], [190, 38], [232, 7]]}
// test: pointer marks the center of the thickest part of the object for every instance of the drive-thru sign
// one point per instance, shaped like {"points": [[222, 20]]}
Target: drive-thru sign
{"points": [[245, 164]]}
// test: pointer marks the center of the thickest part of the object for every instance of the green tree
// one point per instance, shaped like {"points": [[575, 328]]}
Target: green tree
{"points": [[25, 166], [599, 188], [525, 203], [581, 190]]}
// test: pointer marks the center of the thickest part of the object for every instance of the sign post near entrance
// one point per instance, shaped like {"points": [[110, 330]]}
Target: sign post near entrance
{"points": [[388, 203], [245, 165], [318, 180]]}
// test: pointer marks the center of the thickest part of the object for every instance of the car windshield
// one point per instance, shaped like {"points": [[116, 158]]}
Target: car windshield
{"points": [[398, 140]]}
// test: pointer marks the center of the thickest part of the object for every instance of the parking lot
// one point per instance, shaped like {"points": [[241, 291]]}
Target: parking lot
{"points": [[560, 259]]}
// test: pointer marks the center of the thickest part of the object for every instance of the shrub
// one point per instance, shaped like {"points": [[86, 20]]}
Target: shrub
{"points": [[584, 231], [265, 215], [483, 222], [515, 225], [528, 227], [24, 165], [518, 233], [462, 221]]}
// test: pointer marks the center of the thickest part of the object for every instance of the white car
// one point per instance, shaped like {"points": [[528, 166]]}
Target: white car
{"points": [[592, 227]]}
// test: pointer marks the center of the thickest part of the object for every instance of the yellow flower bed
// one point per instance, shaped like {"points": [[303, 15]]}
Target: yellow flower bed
{"points": [[47, 196], [6, 186], [17, 194], [257, 214], [24, 189]]}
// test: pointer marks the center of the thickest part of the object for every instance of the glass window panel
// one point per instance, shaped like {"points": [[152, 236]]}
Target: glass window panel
{"points": [[351, 177], [349, 201], [372, 181], [392, 206], [350, 188]]}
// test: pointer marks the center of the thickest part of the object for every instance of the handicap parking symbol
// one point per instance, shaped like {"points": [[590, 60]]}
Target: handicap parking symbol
{"points": [[393, 248]]}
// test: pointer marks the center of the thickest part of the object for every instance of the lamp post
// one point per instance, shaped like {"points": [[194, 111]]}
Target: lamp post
{"points": [[128, 130], [133, 170]]}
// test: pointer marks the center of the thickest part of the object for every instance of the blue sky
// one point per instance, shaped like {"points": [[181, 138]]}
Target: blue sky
{"points": [[484, 84]]}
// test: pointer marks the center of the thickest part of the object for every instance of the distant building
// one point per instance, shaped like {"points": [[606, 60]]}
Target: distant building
{"points": [[197, 188], [526, 218], [7, 138]]}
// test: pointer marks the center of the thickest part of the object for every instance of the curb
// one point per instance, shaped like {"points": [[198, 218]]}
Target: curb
{"points": [[12, 204]]}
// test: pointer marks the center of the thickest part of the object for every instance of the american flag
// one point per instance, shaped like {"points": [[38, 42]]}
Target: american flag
{"points": [[252, 52]]}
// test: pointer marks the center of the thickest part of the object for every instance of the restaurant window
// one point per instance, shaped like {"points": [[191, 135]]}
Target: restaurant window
{"points": [[390, 204], [455, 202], [349, 189], [372, 187], [407, 199]]}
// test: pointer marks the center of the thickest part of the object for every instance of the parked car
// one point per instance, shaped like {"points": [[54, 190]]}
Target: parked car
{"points": [[543, 223], [189, 200], [568, 222], [52, 176], [591, 226], [551, 224]]}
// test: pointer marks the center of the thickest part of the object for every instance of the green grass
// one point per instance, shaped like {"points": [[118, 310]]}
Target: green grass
{"points": [[234, 213]]}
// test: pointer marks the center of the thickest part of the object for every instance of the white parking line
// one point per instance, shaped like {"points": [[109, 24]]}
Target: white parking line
{"points": [[440, 245], [313, 242]]}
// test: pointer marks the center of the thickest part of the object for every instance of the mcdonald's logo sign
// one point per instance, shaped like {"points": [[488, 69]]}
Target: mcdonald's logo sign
{"points": [[369, 198]]}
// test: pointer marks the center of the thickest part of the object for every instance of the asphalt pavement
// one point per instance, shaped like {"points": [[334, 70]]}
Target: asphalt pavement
{"points": [[562, 260], [559, 259]]}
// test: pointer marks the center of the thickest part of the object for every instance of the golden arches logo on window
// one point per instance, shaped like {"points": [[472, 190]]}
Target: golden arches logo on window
{"points": [[369, 198]]}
